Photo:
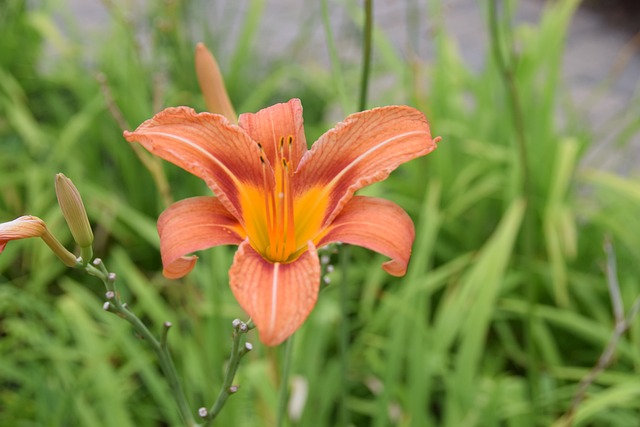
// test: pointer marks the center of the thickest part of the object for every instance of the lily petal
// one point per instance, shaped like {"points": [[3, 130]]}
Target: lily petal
{"points": [[376, 224], [191, 225], [269, 125], [212, 84], [363, 149], [277, 296], [21, 228], [208, 146]]}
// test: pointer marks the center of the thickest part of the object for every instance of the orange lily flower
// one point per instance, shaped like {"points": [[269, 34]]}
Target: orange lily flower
{"points": [[279, 201]]}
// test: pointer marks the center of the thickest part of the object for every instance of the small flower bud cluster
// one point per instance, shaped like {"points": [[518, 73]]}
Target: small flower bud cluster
{"points": [[239, 326], [325, 260]]}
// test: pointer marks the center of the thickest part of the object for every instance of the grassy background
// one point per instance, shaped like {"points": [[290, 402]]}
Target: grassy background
{"points": [[503, 311]]}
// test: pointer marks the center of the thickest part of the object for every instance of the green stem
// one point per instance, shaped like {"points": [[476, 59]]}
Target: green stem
{"points": [[344, 335], [336, 70], [237, 352], [366, 53], [115, 305], [283, 394]]}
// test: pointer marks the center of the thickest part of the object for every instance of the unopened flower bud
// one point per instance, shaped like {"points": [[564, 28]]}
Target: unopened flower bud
{"points": [[74, 212], [212, 84]]}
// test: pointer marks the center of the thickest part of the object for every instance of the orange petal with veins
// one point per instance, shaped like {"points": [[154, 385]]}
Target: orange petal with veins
{"points": [[378, 225], [280, 121], [208, 146], [363, 149], [191, 225], [277, 296]]}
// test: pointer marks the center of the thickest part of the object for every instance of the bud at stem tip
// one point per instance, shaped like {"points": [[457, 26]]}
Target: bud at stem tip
{"points": [[74, 212]]}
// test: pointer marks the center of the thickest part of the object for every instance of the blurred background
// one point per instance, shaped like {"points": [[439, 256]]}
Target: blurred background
{"points": [[507, 305]]}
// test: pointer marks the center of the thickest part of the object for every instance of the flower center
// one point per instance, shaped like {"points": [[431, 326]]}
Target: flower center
{"points": [[280, 242], [278, 222]]}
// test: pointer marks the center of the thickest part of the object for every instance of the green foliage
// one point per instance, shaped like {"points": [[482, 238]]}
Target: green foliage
{"points": [[503, 311]]}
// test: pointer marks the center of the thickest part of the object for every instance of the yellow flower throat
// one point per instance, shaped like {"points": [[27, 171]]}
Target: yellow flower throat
{"points": [[278, 224]]}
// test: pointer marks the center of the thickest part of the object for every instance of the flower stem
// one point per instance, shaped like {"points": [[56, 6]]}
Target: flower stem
{"points": [[366, 53], [237, 352], [344, 336], [115, 305], [336, 70], [283, 394]]}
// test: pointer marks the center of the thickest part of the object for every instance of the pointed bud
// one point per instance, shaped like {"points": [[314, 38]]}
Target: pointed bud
{"points": [[212, 84], [74, 212]]}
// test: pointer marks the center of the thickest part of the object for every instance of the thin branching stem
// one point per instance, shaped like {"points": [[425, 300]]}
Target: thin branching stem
{"points": [[238, 350], [115, 305]]}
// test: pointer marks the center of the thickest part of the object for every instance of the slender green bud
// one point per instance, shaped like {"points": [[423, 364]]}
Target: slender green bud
{"points": [[74, 212]]}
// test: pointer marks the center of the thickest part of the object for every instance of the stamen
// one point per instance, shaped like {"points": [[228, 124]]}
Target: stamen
{"points": [[289, 153], [269, 209], [278, 201], [290, 237]]}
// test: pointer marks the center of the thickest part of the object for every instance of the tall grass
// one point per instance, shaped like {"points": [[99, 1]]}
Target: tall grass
{"points": [[503, 311]]}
